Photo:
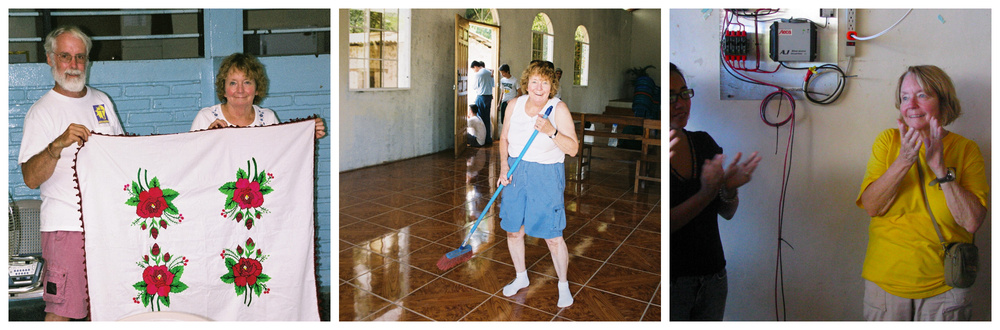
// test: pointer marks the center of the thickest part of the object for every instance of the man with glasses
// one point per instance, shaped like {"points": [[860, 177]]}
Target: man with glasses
{"points": [[54, 129]]}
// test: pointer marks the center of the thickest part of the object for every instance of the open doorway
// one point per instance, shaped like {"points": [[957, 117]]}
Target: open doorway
{"points": [[478, 34]]}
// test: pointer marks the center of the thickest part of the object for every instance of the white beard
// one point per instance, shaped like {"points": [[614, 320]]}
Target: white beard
{"points": [[70, 84]]}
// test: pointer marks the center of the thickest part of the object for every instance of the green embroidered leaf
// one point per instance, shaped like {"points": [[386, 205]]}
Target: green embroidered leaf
{"points": [[230, 203], [261, 177], [178, 271], [229, 278], [171, 208], [170, 194], [240, 290], [135, 189], [134, 201], [241, 174], [165, 301], [141, 286], [263, 278], [178, 286], [146, 298], [258, 288], [154, 183], [230, 262], [228, 188], [264, 190]]}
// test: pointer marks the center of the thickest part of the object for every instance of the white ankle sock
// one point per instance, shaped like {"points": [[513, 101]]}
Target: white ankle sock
{"points": [[520, 282], [565, 297]]}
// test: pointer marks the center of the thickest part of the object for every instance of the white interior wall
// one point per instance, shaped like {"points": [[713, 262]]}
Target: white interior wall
{"points": [[384, 126], [822, 274]]}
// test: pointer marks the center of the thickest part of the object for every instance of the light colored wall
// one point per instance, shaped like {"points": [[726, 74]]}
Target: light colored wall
{"points": [[383, 126], [646, 43], [822, 274]]}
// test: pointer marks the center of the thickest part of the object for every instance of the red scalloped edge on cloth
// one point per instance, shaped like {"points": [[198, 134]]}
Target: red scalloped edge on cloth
{"points": [[79, 203], [290, 121], [79, 193]]}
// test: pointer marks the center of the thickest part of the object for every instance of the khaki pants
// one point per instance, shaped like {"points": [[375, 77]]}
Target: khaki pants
{"points": [[952, 305]]}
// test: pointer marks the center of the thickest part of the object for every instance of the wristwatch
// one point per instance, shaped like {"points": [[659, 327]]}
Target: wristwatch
{"points": [[947, 177], [553, 136]]}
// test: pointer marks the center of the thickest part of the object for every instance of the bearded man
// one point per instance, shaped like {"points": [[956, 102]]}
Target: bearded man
{"points": [[54, 128]]}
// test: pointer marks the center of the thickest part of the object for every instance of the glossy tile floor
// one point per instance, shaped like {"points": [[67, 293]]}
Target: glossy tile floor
{"points": [[397, 220]]}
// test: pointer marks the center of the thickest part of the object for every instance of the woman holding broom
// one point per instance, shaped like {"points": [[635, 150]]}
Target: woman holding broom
{"points": [[533, 202]]}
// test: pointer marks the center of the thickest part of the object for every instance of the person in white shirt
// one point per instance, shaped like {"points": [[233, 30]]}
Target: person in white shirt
{"points": [[241, 84], [533, 203], [509, 85], [55, 127]]}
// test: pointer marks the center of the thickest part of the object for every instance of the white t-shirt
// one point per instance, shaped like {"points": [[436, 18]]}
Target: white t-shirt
{"points": [[477, 129], [208, 115], [542, 150], [47, 119], [509, 87]]}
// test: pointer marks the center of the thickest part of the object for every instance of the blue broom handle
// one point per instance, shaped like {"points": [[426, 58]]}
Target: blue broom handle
{"points": [[509, 173]]}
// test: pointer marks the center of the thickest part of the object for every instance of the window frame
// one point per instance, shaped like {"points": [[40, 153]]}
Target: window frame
{"points": [[402, 59], [47, 24], [547, 38], [581, 58]]}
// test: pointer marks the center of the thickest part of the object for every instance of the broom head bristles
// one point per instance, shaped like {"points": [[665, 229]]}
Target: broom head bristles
{"points": [[455, 257]]}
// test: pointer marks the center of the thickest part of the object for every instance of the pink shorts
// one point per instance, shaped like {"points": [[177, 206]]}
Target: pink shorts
{"points": [[65, 285]]}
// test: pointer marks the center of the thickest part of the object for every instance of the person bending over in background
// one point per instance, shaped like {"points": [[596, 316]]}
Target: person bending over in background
{"points": [[700, 190], [903, 268]]}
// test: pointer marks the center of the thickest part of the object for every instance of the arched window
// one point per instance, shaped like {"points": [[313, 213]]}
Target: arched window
{"points": [[581, 56], [541, 38]]}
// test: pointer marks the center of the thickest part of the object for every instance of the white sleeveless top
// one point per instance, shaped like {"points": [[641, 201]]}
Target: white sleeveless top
{"points": [[542, 150]]}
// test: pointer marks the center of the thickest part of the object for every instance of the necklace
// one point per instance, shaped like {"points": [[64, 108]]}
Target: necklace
{"points": [[694, 160]]}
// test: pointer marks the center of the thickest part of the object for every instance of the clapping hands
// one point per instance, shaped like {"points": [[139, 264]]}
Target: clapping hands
{"points": [[738, 174]]}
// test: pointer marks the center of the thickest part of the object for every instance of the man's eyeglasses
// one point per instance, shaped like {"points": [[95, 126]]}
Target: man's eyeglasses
{"points": [[67, 57], [686, 94]]}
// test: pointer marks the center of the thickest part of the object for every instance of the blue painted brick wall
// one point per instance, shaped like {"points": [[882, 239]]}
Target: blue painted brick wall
{"points": [[163, 96]]}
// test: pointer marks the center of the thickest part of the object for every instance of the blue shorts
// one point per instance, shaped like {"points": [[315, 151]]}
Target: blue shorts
{"points": [[534, 199]]}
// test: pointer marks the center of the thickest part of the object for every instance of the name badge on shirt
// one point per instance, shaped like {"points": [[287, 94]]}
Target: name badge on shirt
{"points": [[101, 113]]}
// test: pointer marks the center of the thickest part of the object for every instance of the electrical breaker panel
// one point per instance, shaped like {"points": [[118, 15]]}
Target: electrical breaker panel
{"points": [[793, 41]]}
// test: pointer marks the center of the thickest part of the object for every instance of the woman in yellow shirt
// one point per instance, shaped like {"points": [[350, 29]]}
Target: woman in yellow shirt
{"points": [[903, 268]]}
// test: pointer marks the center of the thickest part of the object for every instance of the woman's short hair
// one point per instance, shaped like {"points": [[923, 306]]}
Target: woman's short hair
{"points": [[251, 68], [546, 70], [50, 39], [936, 81]]}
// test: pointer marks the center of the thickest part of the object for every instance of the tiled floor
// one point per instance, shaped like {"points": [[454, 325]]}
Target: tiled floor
{"points": [[397, 220]]}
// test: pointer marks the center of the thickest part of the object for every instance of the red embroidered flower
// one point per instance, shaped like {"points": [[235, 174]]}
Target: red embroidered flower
{"points": [[158, 280], [246, 272], [247, 194], [151, 203]]}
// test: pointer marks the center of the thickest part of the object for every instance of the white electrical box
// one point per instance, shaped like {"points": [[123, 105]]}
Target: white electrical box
{"points": [[759, 42]]}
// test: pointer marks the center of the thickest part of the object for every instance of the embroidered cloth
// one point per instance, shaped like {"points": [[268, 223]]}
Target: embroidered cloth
{"points": [[215, 223]]}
